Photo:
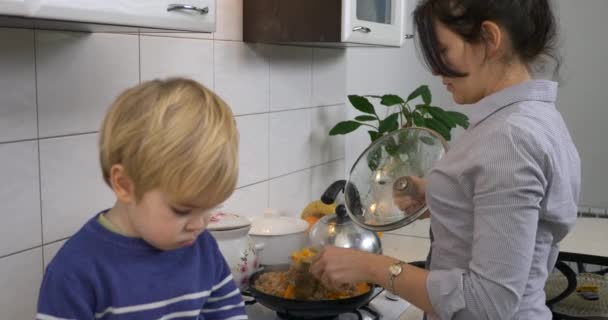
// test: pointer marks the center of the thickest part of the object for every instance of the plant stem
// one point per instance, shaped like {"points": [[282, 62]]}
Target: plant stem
{"points": [[404, 113], [409, 121]]}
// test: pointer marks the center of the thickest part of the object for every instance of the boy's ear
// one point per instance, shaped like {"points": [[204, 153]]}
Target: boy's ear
{"points": [[122, 185]]}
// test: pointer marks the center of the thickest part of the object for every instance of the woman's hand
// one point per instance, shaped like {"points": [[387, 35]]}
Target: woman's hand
{"points": [[335, 266], [414, 198]]}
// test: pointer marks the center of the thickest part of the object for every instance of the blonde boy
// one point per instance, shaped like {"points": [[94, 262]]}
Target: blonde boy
{"points": [[168, 150]]}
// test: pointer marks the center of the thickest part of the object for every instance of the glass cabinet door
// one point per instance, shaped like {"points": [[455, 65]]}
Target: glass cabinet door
{"points": [[378, 11]]}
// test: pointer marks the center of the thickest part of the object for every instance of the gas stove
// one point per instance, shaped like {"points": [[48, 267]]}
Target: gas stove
{"points": [[379, 308]]}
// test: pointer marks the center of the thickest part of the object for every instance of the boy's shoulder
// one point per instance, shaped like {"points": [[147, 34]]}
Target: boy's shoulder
{"points": [[78, 254]]}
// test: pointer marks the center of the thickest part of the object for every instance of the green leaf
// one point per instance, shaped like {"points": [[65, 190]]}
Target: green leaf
{"points": [[344, 127], [391, 100], [362, 104], [439, 127], [373, 159], [422, 108], [423, 91], [374, 135], [427, 140], [419, 119], [440, 115], [391, 147], [366, 118], [458, 118], [389, 124]]}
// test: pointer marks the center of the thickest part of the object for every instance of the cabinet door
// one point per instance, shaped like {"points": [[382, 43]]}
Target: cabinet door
{"points": [[194, 15], [373, 21], [13, 7]]}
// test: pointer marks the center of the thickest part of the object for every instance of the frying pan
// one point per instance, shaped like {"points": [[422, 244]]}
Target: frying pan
{"points": [[307, 309]]}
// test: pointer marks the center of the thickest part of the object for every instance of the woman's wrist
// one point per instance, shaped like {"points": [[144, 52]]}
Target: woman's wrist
{"points": [[378, 268]]}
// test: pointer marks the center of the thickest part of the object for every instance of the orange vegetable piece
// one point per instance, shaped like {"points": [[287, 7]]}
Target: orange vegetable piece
{"points": [[311, 221], [362, 288], [290, 292]]}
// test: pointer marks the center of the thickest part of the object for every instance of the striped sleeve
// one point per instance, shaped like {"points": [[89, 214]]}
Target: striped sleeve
{"points": [[225, 301], [64, 297], [509, 186]]}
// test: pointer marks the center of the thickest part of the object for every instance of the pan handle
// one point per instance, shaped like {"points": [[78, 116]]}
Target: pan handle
{"points": [[246, 293]]}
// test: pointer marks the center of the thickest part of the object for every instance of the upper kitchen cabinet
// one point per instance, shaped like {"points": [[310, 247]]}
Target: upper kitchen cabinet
{"points": [[189, 15], [325, 22]]}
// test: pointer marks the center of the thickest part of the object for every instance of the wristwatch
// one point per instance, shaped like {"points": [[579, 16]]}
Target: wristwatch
{"points": [[394, 270]]}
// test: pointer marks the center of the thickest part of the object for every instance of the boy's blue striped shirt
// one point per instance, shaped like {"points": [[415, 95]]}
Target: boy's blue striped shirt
{"points": [[102, 275]]}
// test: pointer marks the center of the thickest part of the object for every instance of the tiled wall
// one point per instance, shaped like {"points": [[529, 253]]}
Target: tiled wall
{"points": [[54, 90]]}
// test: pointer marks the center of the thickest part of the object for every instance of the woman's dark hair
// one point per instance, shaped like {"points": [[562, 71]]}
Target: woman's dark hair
{"points": [[530, 24]]}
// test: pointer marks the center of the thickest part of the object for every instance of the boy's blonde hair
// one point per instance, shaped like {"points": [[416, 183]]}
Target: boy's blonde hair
{"points": [[174, 135]]}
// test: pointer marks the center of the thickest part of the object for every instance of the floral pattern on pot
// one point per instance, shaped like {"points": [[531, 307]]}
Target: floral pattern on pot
{"points": [[246, 267]]}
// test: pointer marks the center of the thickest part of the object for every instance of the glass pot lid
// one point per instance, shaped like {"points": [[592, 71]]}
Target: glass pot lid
{"points": [[383, 184]]}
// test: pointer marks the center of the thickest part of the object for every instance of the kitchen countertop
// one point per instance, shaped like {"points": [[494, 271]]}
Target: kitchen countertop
{"points": [[588, 237], [405, 248], [408, 247]]}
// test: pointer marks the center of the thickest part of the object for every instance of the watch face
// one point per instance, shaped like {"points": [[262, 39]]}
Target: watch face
{"points": [[395, 269]]}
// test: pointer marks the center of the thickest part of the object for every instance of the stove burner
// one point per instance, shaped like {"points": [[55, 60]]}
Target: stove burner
{"points": [[375, 315], [285, 316]]}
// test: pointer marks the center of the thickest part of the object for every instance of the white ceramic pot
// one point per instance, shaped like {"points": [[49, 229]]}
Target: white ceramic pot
{"points": [[280, 236], [239, 250]]}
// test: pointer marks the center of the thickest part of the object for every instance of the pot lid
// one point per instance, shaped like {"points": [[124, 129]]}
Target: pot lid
{"points": [[227, 221], [392, 168], [272, 223]]}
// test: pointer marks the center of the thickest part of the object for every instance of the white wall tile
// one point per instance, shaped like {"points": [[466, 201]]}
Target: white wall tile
{"points": [[328, 77], [73, 189], [324, 175], [253, 148], [19, 197], [290, 77], [289, 141], [249, 201], [325, 148], [20, 278], [242, 76], [17, 85], [50, 250], [79, 75], [229, 20], [163, 57], [290, 194]]}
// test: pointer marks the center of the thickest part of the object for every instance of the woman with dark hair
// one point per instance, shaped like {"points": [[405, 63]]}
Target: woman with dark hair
{"points": [[506, 193]]}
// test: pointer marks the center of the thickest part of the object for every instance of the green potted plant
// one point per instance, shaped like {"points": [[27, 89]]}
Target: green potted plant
{"points": [[422, 115], [409, 114]]}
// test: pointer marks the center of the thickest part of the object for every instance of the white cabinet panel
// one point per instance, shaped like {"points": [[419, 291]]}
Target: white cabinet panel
{"points": [[195, 15]]}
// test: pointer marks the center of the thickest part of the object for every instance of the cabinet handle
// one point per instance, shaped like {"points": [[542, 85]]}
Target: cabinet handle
{"points": [[409, 36], [176, 6], [362, 29]]}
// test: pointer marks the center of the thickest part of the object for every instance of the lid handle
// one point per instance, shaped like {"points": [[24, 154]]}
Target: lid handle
{"points": [[405, 186], [341, 214], [270, 212]]}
